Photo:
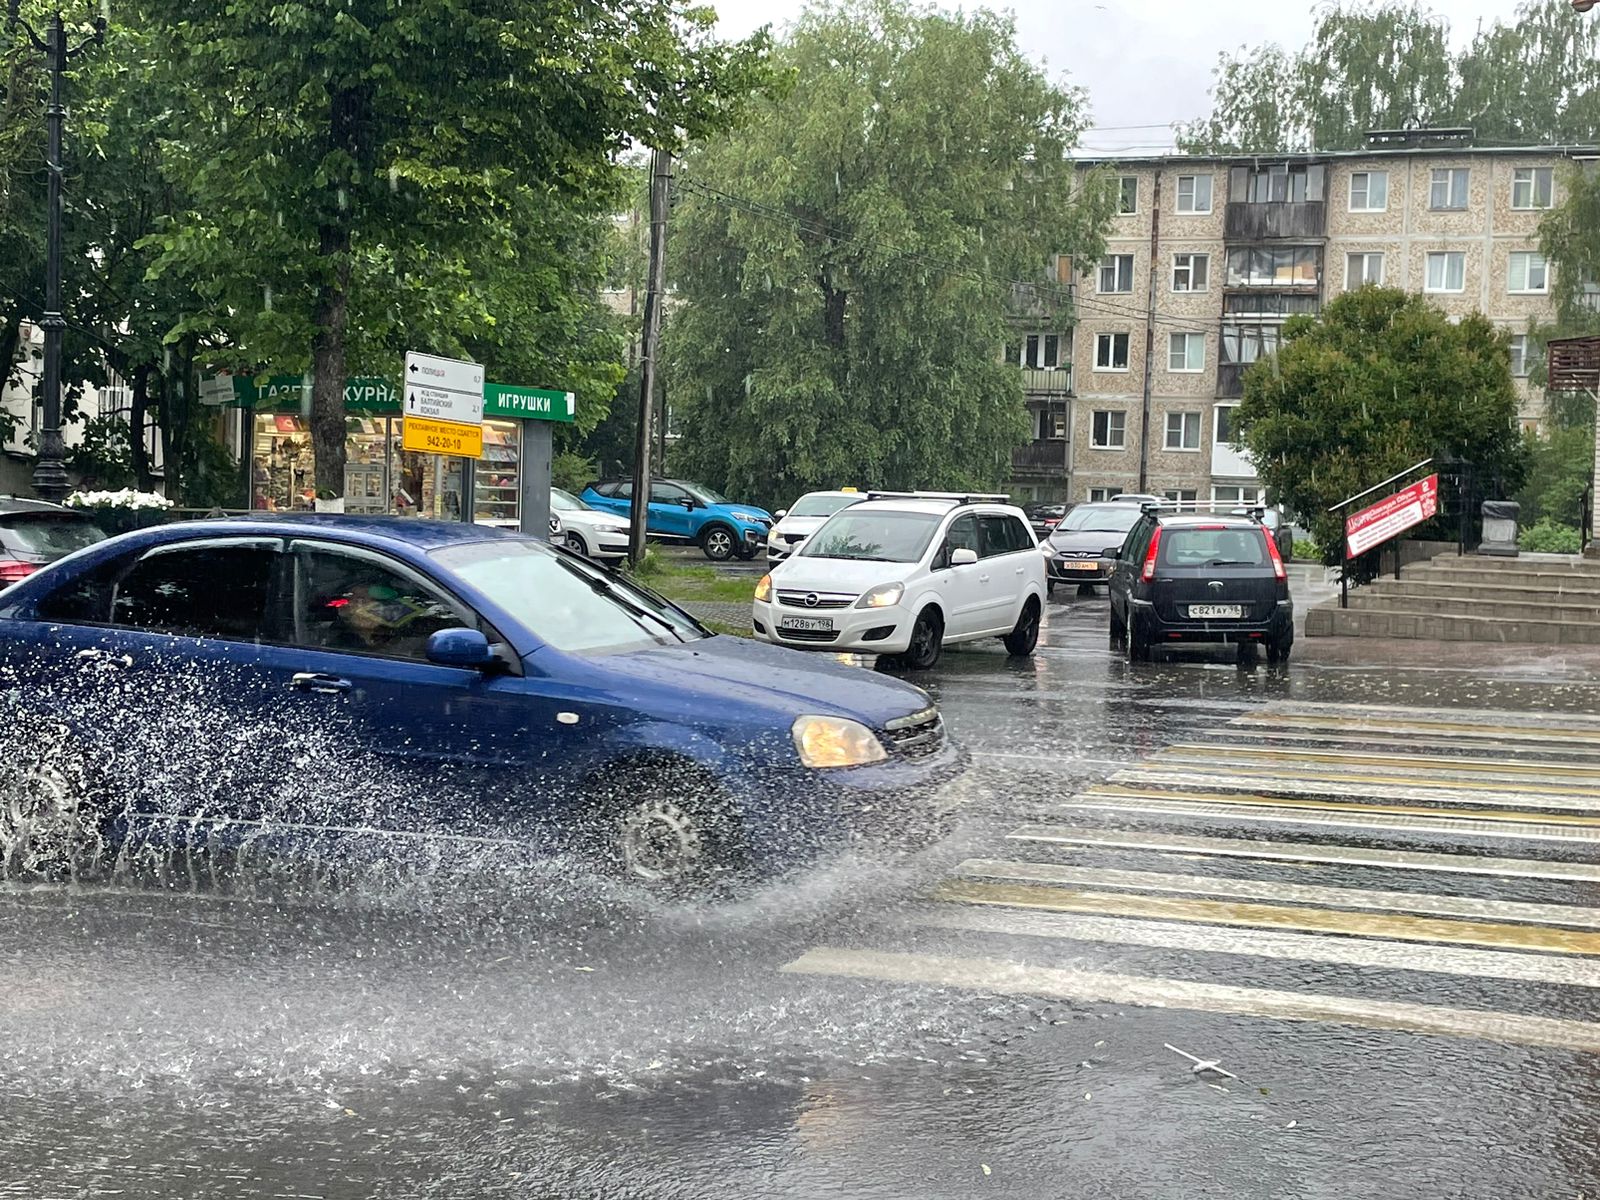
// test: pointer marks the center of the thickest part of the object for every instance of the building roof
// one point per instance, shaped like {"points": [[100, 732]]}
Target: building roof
{"points": [[1323, 156]]}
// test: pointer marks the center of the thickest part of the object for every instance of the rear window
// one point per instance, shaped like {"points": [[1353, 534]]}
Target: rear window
{"points": [[48, 536], [1213, 548]]}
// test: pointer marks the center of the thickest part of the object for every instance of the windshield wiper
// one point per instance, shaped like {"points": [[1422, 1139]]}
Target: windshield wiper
{"points": [[610, 591], [1231, 562]]}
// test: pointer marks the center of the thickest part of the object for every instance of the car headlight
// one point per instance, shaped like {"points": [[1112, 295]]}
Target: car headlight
{"points": [[764, 589], [750, 518], [836, 742], [886, 596]]}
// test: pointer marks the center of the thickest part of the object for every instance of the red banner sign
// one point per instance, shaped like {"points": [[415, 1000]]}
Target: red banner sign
{"points": [[1392, 516]]}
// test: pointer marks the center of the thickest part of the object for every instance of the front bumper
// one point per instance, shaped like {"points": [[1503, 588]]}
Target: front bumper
{"points": [[611, 545], [780, 547], [855, 630], [1077, 570]]}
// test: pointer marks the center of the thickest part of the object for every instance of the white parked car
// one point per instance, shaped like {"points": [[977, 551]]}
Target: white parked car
{"points": [[807, 516], [905, 574], [596, 534]]}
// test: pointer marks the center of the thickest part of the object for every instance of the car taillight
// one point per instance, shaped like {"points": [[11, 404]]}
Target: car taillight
{"points": [[14, 572], [1272, 553], [1149, 573]]}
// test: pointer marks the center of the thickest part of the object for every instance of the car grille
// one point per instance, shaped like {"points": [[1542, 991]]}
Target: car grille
{"points": [[921, 735], [809, 635], [798, 600], [792, 538]]}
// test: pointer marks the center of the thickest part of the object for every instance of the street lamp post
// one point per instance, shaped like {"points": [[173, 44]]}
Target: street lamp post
{"points": [[50, 475]]}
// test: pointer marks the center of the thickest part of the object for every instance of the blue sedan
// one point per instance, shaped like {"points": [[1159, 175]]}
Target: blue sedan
{"points": [[268, 680]]}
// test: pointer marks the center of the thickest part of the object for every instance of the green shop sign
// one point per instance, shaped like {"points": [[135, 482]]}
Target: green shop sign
{"points": [[378, 397]]}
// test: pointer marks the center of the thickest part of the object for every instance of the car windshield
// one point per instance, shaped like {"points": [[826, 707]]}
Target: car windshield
{"points": [[874, 535], [704, 494], [565, 602], [1099, 518], [819, 505], [48, 535], [563, 501], [1213, 547]]}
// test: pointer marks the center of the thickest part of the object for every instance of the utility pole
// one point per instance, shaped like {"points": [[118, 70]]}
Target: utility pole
{"points": [[660, 183], [50, 474]]}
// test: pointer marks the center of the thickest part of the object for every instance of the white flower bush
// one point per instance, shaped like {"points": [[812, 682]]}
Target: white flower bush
{"points": [[125, 498]]}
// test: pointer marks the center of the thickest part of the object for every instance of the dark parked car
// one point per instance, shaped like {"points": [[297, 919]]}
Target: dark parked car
{"points": [[465, 683], [1044, 517], [1199, 577], [1075, 553], [34, 534]]}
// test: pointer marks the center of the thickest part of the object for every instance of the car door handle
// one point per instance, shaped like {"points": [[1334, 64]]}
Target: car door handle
{"points": [[983, 579], [104, 658], [328, 685]]}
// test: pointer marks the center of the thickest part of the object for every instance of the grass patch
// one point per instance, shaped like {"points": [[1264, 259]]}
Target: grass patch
{"points": [[682, 583]]}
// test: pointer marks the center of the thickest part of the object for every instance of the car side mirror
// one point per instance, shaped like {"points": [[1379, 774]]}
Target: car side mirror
{"points": [[964, 557], [460, 648], [781, 513], [689, 503]]}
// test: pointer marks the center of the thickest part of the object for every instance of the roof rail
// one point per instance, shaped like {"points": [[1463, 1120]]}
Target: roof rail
{"points": [[1258, 511], [953, 497]]}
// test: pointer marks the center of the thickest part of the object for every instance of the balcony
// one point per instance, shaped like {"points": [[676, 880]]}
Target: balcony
{"points": [[1042, 456], [1047, 381], [1251, 222], [1046, 301], [1230, 380]]}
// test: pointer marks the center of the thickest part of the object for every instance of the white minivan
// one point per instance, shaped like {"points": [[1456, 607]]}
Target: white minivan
{"points": [[905, 574]]}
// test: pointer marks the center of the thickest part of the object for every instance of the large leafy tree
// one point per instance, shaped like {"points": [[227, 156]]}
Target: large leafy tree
{"points": [[367, 177], [1380, 380], [845, 262]]}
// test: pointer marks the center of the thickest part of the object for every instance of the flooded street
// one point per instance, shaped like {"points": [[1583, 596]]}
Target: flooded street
{"points": [[1369, 896]]}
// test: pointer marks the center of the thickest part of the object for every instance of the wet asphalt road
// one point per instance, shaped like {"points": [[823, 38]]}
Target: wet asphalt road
{"points": [[1153, 859]]}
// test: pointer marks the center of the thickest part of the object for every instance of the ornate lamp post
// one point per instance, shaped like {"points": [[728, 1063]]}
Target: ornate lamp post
{"points": [[50, 475]]}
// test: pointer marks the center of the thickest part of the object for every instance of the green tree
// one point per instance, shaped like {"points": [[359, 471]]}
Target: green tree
{"points": [[364, 174], [845, 262], [1533, 79], [1380, 380]]}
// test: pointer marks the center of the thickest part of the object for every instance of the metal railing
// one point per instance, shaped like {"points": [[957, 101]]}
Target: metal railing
{"points": [[1344, 559]]}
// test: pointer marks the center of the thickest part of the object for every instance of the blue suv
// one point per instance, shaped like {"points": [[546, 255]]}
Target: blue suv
{"points": [[271, 682], [687, 512]]}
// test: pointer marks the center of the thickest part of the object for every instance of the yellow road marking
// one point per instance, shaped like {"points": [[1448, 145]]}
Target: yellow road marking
{"points": [[1406, 761], [1108, 791], [1273, 916]]}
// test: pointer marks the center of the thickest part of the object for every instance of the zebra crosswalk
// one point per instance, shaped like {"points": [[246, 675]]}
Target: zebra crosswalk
{"points": [[1311, 862]]}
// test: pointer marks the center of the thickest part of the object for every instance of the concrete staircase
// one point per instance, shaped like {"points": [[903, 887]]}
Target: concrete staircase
{"points": [[1537, 599]]}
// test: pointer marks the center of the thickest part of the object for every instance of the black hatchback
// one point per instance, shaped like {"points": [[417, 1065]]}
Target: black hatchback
{"points": [[1200, 577]]}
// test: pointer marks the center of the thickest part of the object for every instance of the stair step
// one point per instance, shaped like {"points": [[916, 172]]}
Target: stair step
{"points": [[1332, 621], [1530, 578], [1543, 564], [1566, 591], [1485, 603]]}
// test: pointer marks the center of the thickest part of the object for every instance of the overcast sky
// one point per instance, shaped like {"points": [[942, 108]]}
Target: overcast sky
{"points": [[1144, 62]]}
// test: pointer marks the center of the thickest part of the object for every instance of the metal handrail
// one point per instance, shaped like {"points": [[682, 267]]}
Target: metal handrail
{"points": [[1427, 462]]}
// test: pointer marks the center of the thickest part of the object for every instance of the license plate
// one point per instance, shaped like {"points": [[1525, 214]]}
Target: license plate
{"points": [[1080, 566], [807, 624], [1201, 612]]}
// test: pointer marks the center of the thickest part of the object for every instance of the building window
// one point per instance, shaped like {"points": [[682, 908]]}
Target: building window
{"points": [[1186, 352], [1519, 355], [1110, 430], [1053, 426], [1279, 184], [1183, 431], [1128, 195], [1449, 189], [1361, 269], [1182, 496], [1287, 266], [1111, 352], [1243, 496], [1191, 272], [1244, 344], [1529, 273], [1100, 495], [1042, 351], [1194, 193], [1447, 272], [1224, 428], [1532, 187], [1369, 191], [1116, 273]]}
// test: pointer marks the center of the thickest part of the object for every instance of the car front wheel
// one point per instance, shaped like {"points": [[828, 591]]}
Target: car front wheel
{"points": [[576, 544], [670, 830], [718, 543], [43, 831], [927, 642]]}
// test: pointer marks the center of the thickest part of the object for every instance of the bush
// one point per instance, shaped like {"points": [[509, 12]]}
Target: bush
{"points": [[572, 472], [1547, 537], [1307, 551]]}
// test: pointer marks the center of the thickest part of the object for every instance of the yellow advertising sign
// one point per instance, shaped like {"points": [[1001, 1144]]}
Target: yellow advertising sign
{"points": [[441, 437]]}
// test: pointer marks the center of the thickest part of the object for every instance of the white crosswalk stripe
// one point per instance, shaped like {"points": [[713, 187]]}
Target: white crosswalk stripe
{"points": [[1347, 792]]}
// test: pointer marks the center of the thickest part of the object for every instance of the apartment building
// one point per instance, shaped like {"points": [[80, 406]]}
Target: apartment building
{"points": [[1208, 257]]}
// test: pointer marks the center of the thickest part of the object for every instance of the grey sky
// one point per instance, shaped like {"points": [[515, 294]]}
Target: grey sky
{"points": [[1143, 61]]}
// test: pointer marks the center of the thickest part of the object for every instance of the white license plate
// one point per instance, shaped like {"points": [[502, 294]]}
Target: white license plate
{"points": [[1080, 566], [807, 624], [1206, 612]]}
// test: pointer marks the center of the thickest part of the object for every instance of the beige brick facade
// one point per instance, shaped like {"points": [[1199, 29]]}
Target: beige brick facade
{"points": [[1398, 209]]}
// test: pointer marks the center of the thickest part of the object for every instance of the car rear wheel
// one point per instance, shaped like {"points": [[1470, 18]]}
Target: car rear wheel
{"points": [[1278, 650], [44, 832], [576, 544], [1024, 637], [1137, 643], [927, 643], [718, 543]]}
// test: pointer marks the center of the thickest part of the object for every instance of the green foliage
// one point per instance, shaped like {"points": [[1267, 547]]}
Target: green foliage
{"points": [[1307, 551], [652, 564], [1560, 466], [103, 460], [572, 472], [845, 261], [1534, 78], [1381, 380], [1547, 537]]}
